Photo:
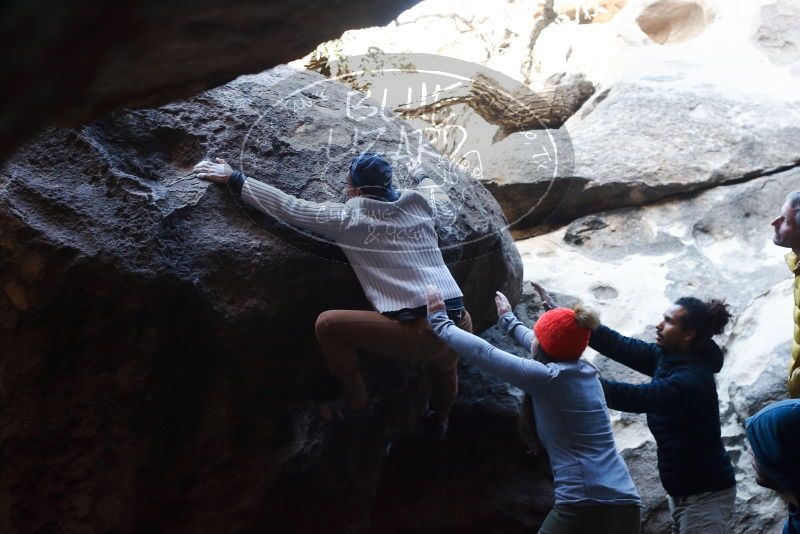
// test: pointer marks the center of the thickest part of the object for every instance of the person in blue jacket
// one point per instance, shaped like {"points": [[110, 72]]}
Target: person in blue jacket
{"points": [[682, 409], [774, 433], [594, 491]]}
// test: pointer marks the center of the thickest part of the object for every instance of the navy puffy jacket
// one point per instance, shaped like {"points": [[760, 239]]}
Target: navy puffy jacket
{"points": [[682, 409]]}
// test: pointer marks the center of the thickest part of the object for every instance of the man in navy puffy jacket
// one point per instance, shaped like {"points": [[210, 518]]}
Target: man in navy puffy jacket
{"points": [[682, 409]]}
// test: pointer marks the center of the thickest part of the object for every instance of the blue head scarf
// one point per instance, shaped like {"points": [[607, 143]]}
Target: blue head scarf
{"points": [[372, 175], [774, 435]]}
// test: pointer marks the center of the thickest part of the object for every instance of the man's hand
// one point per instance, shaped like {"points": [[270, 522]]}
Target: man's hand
{"points": [[219, 172], [503, 306], [547, 300], [435, 301]]}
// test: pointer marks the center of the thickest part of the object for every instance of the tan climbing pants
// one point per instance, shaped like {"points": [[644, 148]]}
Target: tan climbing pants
{"points": [[341, 333]]}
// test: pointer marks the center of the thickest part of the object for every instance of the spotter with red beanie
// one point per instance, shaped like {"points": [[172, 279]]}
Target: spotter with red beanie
{"points": [[594, 491]]}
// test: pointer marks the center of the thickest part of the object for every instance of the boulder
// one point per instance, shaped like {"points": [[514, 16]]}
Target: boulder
{"points": [[763, 383], [664, 120], [684, 99], [639, 141], [485, 481], [75, 62], [159, 366], [641, 463]]}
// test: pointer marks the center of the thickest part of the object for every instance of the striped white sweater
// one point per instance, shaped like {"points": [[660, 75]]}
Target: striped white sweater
{"points": [[392, 246]]}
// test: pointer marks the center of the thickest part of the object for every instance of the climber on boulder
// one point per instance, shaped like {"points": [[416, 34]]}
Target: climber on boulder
{"points": [[594, 491], [389, 237]]}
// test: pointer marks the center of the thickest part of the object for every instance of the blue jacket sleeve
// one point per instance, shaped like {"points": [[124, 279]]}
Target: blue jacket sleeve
{"points": [[522, 373], [661, 396], [512, 326], [634, 353]]}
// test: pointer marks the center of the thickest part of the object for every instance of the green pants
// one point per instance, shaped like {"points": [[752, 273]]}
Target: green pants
{"points": [[598, 519]]}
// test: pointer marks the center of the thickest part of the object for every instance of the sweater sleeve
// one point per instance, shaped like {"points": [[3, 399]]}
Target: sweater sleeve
{"points": [[235, 183], [512, 326], [325, 218], [443, 209], [522, 373], [634, 353], [661, 396]]}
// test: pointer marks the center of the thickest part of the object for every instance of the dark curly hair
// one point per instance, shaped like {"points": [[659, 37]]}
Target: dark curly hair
{"points": [[706, 318]]}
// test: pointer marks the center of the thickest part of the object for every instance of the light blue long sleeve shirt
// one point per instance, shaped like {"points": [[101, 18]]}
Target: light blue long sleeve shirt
{"points": [[570, 409]]}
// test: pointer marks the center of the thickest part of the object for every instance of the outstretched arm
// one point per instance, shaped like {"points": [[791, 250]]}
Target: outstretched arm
{"points": [[508, 323], [661, 396], [522, 373], [326, 218], [634, 353]]}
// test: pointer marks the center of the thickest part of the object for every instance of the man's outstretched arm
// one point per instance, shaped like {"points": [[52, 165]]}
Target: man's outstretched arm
{"points": [[662, 396], [631, 352], [326, 218]]}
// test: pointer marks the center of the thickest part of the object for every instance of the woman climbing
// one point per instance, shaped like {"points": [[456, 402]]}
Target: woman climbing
{"points": [[594, 491], [389, 237]]}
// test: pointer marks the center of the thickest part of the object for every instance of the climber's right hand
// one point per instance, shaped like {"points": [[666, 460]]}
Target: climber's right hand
{"points": [[219, 172]]}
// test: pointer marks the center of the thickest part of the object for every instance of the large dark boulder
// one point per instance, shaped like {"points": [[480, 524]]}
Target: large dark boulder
{"points": [[71, 62], [159, 370]]}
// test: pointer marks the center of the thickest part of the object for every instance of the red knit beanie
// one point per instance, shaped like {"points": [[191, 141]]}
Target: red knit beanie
{"points": [[560, 336]]}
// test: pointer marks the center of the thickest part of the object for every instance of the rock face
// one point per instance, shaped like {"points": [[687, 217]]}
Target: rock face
{"points": [[684, 98], [631, 264], [778, 35], [74, 63], [498, 36], [665, 120], [647, 139], [160, 370], [589, 12]]}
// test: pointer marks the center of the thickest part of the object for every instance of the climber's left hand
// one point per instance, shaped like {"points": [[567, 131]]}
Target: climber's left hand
{"points": [[219, 172]]}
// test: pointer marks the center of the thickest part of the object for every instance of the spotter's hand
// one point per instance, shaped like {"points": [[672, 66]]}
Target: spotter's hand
{"points": [[547, 300], [435, 301], [503, 306]]}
